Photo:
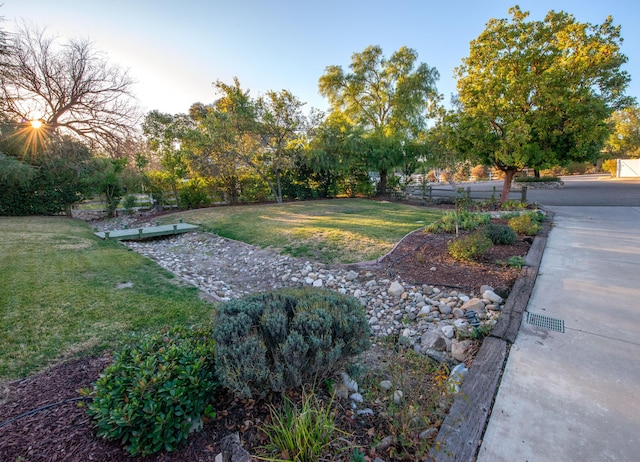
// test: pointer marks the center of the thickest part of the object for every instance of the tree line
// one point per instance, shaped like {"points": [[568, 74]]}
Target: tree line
{"points": [[531, 95]]}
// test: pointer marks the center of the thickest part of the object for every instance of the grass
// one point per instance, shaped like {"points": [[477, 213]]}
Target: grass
{"points": [[332, 231], [60, 295]]}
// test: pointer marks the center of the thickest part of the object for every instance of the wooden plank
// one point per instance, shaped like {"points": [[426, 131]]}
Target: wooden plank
{"points": [[462, 429]]}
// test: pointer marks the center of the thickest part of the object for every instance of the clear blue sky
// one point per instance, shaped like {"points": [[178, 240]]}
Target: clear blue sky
{"points": [[176, 49]]}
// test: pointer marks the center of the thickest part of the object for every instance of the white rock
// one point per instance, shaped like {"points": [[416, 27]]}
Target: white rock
{"points": [[448, 331], [386, 385], [397, 396], [475, 304], [308, 281], [351, 384], [444, 309], [395, 289], [460, 350], [492, 296], [356, 397], [351, 275], [317, 283], [459, 323]]}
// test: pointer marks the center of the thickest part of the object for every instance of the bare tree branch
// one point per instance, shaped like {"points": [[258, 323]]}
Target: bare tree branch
{"points": [[71, 87]]}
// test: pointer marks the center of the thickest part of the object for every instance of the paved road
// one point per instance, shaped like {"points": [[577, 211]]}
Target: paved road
{"points": [[583, 190], [575, 396]]}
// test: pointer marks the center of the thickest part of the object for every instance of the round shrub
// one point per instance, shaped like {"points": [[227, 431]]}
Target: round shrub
{"points": [[156, 390], [500, 234], [470, 247], [526, 224], [275, 341]]}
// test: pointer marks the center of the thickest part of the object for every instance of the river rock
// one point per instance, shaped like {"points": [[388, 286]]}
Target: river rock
{"points": [[396, 289]]}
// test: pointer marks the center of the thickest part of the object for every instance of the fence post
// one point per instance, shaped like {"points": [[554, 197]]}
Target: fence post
{"points": [[523, 199]]}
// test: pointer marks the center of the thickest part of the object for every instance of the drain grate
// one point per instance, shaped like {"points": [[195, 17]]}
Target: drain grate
{"points": [[546, 322]]}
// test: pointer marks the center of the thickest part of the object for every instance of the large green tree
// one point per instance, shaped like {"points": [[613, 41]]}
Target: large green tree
{"points": [[388, 99], [538, 93], [281, 127], [624, 140], [165, 134]]}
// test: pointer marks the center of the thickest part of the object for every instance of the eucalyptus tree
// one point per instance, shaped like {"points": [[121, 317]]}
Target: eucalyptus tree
{"points": [[389, 99], [538, 93]]}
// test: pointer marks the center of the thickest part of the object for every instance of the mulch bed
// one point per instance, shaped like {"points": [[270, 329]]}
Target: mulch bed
{"points": [[64, 433]]}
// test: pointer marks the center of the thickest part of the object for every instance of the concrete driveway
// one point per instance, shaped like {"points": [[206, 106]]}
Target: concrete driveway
{"points": [[575, 395]]}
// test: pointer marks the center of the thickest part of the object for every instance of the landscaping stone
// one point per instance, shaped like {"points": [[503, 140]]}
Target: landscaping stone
{"points": [[224, 269]]}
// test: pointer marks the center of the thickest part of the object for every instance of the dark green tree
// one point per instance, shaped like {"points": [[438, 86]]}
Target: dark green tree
{"points": [[538, 93]]}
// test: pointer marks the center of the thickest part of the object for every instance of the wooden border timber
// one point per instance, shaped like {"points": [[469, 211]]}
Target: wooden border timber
{"points": [[461, 432]]}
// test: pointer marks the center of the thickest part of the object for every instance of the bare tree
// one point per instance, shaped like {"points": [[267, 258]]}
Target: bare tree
{"points": [[70, 87]]}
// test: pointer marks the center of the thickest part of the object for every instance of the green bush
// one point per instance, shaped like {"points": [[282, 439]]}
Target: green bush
{"points": [[512, 204], [275, 341], [516, 262], [129, 202], [526, 224], [466, 220], [194, 194], [500, 234], [538, 179], [155, 390], [470, 247]]}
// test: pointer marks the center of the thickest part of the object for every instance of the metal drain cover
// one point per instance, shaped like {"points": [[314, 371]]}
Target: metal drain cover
{"points": [[546, 322]]}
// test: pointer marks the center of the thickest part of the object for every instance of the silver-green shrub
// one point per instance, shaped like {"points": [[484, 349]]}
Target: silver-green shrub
{"points": [[276, 341]]}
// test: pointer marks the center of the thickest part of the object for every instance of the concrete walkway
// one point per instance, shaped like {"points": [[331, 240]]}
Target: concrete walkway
{"points": [[575, 396]]}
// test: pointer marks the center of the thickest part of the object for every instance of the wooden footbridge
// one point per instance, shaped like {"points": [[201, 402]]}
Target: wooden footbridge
{"points": [[132, 234]]}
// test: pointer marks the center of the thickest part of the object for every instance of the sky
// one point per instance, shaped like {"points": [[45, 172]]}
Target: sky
{"points": [[175, 50]]}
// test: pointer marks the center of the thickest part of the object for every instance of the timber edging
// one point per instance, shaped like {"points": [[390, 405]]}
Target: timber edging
{"points": [[461, 432]]}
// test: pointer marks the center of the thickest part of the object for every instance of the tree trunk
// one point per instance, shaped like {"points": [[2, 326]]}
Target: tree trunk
{"points": [[536, 173], [279, 187], [506, 186], [382, 186]]}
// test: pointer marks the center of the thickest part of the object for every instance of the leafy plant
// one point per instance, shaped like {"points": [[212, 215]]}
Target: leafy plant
{"points": [[500, 234], [276, 341], [465, 220], [516, 262], [301, 434], [470, 247], [156, 390], [526, 224], [513, 205], [129, 202]]}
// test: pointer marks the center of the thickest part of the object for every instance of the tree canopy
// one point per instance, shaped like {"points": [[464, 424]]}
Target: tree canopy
{"points": [[70, 87], [538, 93], [624, 140], [388, 99]]}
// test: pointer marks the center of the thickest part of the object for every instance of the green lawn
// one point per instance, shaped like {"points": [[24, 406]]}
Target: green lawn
{"points": [[330, 231], [65, 292], [60, 295]]}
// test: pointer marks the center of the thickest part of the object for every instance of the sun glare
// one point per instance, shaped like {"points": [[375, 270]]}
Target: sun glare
{"points": [[36, 124]]}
